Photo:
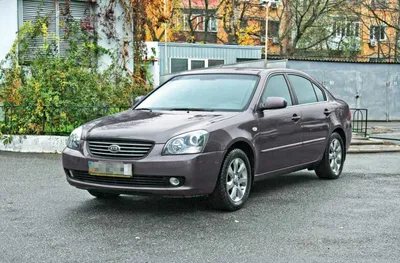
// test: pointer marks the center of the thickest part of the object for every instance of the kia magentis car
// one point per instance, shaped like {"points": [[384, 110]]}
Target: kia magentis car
{"points": [[212, 132]]}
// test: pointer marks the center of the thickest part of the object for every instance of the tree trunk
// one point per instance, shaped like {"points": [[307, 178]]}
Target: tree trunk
{"points": [[206, 22], [192, 37]]}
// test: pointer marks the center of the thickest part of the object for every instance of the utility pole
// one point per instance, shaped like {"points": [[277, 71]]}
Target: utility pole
{"points": [[266, 4], [166, 38]]}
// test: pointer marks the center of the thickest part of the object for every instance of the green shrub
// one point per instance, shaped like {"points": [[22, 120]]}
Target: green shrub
{"points": [[41, 90]]}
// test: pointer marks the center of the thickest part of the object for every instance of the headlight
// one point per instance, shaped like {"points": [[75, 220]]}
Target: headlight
{"points": [[74, 139], [191, 142]]}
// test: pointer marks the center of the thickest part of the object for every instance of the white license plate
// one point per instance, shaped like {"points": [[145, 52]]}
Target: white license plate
{"points": [[110, 169]]}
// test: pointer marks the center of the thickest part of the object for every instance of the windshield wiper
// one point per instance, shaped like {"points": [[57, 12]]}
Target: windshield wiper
{"points": [[144, 109], [190, 109]]}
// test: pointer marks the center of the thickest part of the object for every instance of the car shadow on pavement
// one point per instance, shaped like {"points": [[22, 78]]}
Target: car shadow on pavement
{"points": [[283, 182]]}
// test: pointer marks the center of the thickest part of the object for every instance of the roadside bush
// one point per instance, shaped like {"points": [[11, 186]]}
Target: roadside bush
{"points": [[41, 89]]}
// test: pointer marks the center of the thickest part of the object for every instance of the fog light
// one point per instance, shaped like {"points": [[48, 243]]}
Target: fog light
{"points": [[174, 181]]}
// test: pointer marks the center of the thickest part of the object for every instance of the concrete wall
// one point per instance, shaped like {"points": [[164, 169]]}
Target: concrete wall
{"points": [[8, 25], [378, 85], [35, 144]]}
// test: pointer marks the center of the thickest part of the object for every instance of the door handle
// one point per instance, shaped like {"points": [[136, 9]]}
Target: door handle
{"points": [[327, 112], [295, 117]]}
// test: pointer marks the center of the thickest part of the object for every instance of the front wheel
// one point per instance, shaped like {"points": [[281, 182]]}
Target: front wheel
{"points": [[234, 182], [102, 195], [331, 164]]}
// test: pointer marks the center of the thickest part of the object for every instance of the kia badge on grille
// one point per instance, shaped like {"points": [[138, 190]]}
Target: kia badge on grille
{"points": [[114, 148]]}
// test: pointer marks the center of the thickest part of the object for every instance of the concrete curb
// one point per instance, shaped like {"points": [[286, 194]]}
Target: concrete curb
{"points": [[35, 144], [369, 150], [367, 142]]}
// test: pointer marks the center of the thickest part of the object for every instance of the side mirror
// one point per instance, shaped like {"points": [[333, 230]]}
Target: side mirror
{"points": [[273, 103], [137, 100]]}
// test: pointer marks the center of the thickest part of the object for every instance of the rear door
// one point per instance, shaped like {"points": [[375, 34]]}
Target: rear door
{"points": [[315, 116], [279, 140]]}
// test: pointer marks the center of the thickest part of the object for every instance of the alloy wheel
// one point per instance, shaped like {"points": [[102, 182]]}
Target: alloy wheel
{"points": [[335, 156], [236, 180]]}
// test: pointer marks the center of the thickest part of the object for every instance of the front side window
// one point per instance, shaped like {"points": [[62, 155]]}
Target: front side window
{"points": [[303, 89], [277, 87], [219, 92]]}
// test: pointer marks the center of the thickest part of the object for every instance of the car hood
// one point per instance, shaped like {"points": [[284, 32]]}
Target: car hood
{"points": [[158, 126]]}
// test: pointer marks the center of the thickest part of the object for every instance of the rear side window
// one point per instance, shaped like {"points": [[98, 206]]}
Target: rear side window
{"points": [[320, 94], [277, 87], [303, 89]]}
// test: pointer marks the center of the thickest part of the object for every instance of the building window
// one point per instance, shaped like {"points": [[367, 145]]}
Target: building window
{"points": [[197, 22], [346, 29], [213, 24], [377, 32], [273, 30], [179, 64], [183, 64], [200, 23], [215, 62], [185, 24], [379, 4], [195, 64], [55, 9]]}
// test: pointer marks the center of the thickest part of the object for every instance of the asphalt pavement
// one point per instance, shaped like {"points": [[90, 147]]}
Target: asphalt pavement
{"points": [[291, 218]]}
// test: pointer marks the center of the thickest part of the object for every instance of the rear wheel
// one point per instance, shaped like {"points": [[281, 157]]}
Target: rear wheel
{"points": [[234, 182], [102, 195], [331, 164]]}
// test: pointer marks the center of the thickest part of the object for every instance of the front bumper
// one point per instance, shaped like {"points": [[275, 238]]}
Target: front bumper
{"points": [[199, 171]]}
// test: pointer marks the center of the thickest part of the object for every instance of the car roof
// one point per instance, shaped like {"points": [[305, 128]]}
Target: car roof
{"points": [[240, 70]]}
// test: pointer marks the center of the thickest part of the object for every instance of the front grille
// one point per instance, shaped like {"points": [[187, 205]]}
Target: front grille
{"points": [[143, 181], [131, 150]]}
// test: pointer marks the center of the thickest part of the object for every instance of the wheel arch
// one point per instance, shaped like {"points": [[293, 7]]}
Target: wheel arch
{"points": [[246, 146]]}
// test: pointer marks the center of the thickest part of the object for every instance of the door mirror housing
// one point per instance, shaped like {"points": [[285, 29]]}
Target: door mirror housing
{"points": [[273, 103], [138, 99]]}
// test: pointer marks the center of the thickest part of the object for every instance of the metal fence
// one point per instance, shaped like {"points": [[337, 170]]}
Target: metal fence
{"points": [[50, 120], [360, 121]]}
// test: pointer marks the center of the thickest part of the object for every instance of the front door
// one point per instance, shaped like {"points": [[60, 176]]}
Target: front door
{"points": [[279, 139]]}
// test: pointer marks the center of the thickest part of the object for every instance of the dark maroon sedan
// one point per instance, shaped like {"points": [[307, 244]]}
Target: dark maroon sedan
{"points": [[214, 133]]}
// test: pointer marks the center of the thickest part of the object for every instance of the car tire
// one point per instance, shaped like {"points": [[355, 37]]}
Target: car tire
{"points": [[102, 195], [331, 165], [234, 182]]}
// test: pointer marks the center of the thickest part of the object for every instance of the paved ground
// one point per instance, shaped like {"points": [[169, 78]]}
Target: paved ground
{"points": [[390, 124], [293, 218], [393, 137], [383, 127]]}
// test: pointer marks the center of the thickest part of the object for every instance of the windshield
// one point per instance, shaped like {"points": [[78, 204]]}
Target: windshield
{"points": [[208, 92]]}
